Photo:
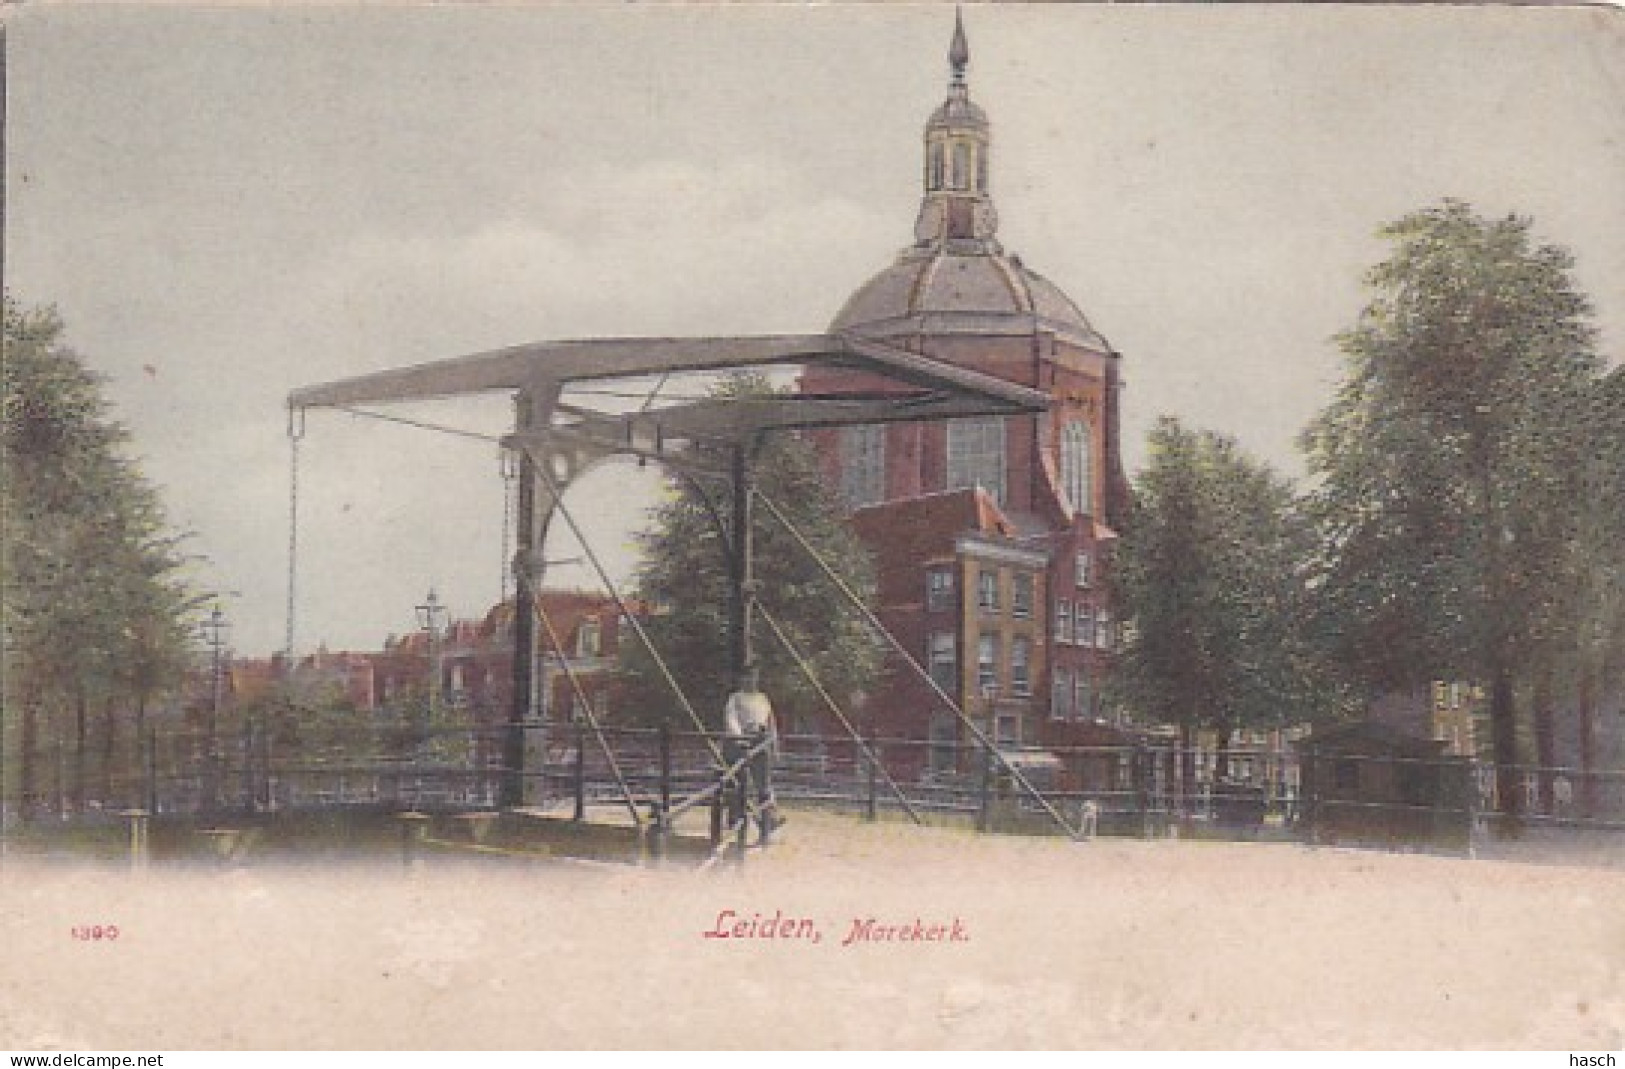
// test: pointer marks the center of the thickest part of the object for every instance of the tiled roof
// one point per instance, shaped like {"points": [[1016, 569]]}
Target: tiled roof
{"points": [[906, 533]]}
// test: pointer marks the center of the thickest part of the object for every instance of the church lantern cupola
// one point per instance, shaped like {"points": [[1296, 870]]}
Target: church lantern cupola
{"points": [[958, 206]]}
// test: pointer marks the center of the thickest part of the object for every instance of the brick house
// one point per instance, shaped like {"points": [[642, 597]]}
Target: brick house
{"points": [[475, 659]]}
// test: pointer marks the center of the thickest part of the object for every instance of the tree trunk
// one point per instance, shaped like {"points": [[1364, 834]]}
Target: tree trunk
{"points": [[1187, 768], [109, 747], [1504, 731], [141, 759], [81, 750], [28, 766], [1545, 739], [1221, 760], [1588, 743]]}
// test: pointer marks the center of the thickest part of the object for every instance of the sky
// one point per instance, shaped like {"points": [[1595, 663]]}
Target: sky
{"points": [[228, 203]]}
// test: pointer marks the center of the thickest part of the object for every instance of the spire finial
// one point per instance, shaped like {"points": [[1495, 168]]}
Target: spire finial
{"points": [[959, 51]]}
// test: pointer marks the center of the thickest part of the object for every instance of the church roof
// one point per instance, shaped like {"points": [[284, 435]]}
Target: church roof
{"points": [[958, 111], [945, 291]]}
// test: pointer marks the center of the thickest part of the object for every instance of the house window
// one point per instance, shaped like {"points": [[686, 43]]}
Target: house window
{"points": [[976, 455], [1063, 622], [987, 592], [1085, 568], [1021, 682], [1060, 698], [1021, 595], [1126, 633], [943, 665], [1082, 697], [1103, 629], [1007, 730], [1077, 471], [1084, 633], [939, 590], [987, 674], [863, 465], [589, 639]]}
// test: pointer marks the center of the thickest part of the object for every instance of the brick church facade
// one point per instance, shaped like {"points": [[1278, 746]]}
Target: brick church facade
{"points": [[992, 536]]}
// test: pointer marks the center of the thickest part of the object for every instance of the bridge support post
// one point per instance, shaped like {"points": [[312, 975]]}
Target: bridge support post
{"points": [[742, 566], [138, 837], [984, 809], [581, 772], [742, 789], [871, 810], [511, 788]]}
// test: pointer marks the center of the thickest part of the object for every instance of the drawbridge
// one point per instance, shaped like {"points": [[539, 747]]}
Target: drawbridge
{"points": [[572, 412]]}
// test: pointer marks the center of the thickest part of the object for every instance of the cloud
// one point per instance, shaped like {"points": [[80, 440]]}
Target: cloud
{"points": [[386, 511]]}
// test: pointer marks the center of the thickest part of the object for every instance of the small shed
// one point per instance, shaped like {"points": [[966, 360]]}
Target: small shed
{"points": [[1369, 783]]}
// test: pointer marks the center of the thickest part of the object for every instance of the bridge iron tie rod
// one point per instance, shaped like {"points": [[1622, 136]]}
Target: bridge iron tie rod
{"points": [[541, 472], [874, 622], [829, 701], [586, 708]]}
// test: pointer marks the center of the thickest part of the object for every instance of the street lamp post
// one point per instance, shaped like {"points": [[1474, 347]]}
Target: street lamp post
{"points": [[213, 630], [430, 613]]}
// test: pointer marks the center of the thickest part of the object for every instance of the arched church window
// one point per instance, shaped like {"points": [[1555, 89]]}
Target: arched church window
{"points": [[863, 465], [933, 178], [976, 455], [1077, 466], [961, 174]]}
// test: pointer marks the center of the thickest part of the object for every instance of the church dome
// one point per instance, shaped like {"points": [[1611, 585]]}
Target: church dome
{"points": [[956, 278], [939, 291], [956, 111]]}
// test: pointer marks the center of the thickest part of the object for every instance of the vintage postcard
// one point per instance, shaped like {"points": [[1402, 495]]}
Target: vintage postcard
{"points": [[784, 526]]}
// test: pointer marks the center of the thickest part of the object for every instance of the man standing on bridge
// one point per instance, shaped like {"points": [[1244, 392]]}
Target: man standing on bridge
{"points": [[748, 721]]}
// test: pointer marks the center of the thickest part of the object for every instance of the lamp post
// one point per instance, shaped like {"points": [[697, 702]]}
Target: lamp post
{"points": [[213, 629], [430, 613]]}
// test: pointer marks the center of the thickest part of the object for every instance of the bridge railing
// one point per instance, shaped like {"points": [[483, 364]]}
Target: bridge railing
{"points": [[1132, 790]]}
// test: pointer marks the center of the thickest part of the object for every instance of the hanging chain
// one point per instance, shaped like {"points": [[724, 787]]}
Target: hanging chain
{"points": [[508, 464], [296, 432]]}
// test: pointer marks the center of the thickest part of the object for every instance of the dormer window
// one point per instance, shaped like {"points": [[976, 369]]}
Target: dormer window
{"points": [[589, 639], [1085, 570]]}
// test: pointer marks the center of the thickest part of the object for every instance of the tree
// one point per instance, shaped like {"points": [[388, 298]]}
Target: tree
{"points": [[1210, 570], [95, 612], [1450, 462], [1596, 659], [684, 576]]}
